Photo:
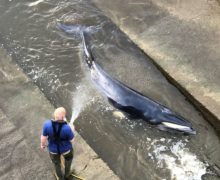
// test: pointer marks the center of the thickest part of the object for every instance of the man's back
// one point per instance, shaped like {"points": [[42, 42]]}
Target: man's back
{"points": [[65, 136]]}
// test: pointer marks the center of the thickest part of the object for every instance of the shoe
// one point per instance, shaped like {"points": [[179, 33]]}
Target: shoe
{"points": [[74, 171], [67, 177], [57, 178]]}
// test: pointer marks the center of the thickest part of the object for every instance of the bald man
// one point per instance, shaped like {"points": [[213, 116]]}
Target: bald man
{"points": [[59, 136]]}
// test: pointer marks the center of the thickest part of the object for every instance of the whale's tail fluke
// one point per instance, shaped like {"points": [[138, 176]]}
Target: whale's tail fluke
{"points": [[82, 31], [74, 29]]}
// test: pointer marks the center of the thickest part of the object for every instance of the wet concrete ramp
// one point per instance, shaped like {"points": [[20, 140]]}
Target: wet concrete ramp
{"points": [[23, 109], [20, 157]]}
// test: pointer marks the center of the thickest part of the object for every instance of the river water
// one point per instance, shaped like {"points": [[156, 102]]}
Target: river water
{"points": [[53, 60]]}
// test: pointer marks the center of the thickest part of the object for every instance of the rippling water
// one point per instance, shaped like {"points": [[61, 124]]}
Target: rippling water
{"points": [[53, 60]]}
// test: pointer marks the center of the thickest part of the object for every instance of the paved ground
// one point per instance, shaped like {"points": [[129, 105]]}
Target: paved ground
{"points": [[182, 38], [23, 109]]}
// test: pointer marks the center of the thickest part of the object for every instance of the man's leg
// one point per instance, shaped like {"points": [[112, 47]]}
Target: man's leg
{"points": [[56, 162], [68, 161]]}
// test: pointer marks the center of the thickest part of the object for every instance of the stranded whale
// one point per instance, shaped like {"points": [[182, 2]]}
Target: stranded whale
{"points": [[132, 102], [127, 99]]}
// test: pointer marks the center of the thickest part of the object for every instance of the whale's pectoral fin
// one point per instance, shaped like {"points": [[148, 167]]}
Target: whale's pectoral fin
{"points": [[164, 128], [174, 123], [175, 127], [172, 127]]}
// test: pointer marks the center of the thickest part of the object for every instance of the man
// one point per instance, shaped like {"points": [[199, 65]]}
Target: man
{"points": [[59, 136]]}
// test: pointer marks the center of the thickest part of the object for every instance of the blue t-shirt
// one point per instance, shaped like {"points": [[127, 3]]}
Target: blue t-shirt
{"points": [[66, 135]]}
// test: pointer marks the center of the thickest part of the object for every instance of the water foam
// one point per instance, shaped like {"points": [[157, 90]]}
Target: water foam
{"points": [[183, 165], [35, 3]]}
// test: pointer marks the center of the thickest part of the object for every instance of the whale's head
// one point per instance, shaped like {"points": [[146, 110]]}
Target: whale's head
{"points": [[174, 123]]}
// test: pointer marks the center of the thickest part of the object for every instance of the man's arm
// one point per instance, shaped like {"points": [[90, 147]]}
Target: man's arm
{"points": [[72, 140], [71, 132], [43, 140], [44, 136]]}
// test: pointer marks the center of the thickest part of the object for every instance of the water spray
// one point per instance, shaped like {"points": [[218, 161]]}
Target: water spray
{"points": [[81, 98]]}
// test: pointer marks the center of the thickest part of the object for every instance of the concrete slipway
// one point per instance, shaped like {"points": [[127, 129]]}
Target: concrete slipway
{"points": [[23, 109]]}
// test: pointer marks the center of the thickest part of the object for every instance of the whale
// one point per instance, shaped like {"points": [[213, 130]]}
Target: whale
{"points": [[129, 101], [132, 102]]}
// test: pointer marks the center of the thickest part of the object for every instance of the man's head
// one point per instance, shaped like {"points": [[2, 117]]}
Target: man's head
{"points": [[59, 113]]}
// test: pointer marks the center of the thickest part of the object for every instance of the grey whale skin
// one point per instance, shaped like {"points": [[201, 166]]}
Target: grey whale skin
{"points": [[132, 102], [126, 99]]}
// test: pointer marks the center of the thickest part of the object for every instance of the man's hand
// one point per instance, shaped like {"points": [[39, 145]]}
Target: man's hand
{"points": [[43, 140], [42, 146], [72, 127]]}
